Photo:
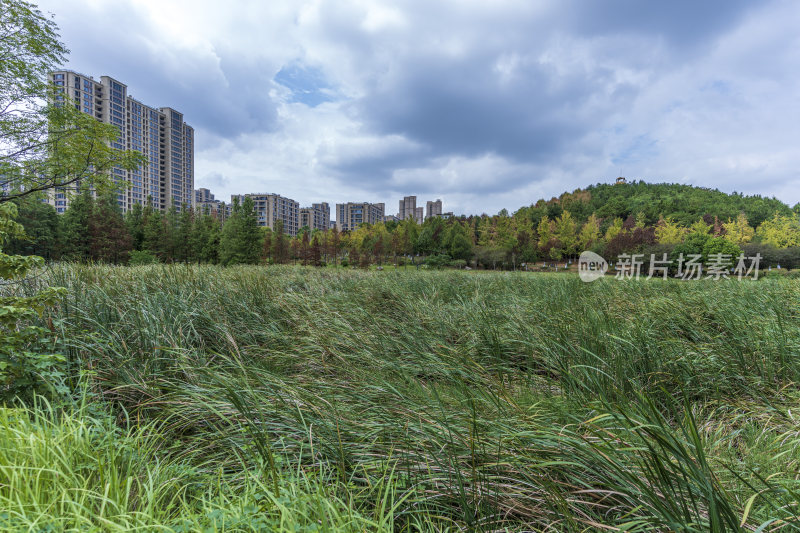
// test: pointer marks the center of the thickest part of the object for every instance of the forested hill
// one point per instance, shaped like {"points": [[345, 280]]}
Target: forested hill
{"points": [[685, 204]]}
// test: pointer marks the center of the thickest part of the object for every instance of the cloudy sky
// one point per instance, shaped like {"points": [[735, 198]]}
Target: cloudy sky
{"points": [[484, 104]]}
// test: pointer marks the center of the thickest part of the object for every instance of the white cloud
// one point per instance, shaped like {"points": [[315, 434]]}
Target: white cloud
{"points": [[484, 104]]}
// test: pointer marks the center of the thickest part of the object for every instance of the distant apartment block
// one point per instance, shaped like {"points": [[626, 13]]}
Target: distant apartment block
{"points": [[407, 208], [205, 202], [273, 207], [203, 195], [433, 209], [167, 177], [391, 218], [352, 214], [318, 216]]}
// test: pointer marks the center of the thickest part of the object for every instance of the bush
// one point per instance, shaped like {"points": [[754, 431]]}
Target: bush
{"points": [[458, 263], [142, 257], [718, 245], [771, 256], [437, 260], [694, 244]]}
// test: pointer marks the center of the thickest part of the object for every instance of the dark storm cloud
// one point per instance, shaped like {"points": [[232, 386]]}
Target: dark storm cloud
{"points": [[218, 90], [683, 23], [499, 93], [490, 102], [464, 108]]}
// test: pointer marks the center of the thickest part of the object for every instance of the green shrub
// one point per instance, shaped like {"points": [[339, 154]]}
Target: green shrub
{"points": [[138, 258], [437, 260]]}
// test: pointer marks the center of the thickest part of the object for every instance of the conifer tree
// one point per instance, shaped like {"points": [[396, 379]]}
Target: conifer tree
{"points": [[184, 251], [41, 224], [460, 246], [336, 245], [316, 249], [75, 236], [280, 244], [134, 221], [171, 235], [739, 231], [241, 238], [205, 239], [266, 246], [154, 233], [304, 247], [545, 232], [110, 239]]}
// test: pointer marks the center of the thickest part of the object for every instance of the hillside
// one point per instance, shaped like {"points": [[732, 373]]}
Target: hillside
{"points": [[683, 203]]}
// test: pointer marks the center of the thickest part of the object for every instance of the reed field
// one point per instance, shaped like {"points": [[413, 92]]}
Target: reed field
{"points": [[294, 399]]}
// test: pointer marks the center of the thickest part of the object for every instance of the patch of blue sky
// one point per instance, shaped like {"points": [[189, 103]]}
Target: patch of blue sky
{"points": [[307, 85]]}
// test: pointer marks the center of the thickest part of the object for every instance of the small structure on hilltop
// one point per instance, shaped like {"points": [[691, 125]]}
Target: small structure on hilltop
{"points": [[621, 181]]}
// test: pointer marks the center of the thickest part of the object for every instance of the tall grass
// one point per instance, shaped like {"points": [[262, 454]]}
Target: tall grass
{"points": [[416, 401]]}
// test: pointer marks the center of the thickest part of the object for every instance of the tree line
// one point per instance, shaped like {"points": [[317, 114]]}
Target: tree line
{"points": [[94, 229]]}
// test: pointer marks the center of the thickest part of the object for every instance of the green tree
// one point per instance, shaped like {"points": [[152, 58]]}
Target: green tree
{"points": [[614, 229], [134, 221], [460, 244], [205, 238], [27, 364], [75, 234], [171, 237], [266, 246], [280, 244], [720, 245], [781, 231], [739, 231], [668, 231], [430, 236], [694, 244], [41, 225], [154, 233], [566, 233], [184, 251], [110, 240], [545, 232], [45, 142], [590, 232], [241, 238], [700, 226]]}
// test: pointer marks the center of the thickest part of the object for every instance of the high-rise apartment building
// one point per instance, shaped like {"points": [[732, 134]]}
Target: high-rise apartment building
{"points": [[318, 216], [433, 209], [203, 195], [273, 207], [167, 177], [407, 208], [204, 202], [352, 214]]}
